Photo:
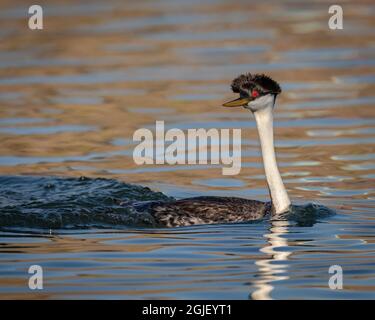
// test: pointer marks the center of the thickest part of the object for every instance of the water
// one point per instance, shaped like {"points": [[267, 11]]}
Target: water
{"points": [[72, 95]]}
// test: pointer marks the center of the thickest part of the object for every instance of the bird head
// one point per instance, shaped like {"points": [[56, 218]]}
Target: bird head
{"points": [[256, 91]]}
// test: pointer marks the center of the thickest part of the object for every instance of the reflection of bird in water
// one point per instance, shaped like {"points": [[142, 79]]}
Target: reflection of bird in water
{"points": [[258, 94], [272, 269]]}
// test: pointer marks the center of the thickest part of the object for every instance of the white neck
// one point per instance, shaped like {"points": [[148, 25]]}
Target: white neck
{"points": [[264, 120]]}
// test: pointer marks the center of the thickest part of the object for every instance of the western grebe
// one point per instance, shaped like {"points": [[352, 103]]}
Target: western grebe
{"points": [[258, 94]]}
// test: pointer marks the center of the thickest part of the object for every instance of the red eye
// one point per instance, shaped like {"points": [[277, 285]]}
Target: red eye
{"points": [[255, 94]]}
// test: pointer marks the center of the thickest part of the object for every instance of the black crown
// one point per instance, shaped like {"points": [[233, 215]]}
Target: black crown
{"points": [[247, 82]]}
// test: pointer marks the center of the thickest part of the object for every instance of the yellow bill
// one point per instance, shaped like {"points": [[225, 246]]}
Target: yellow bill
{"points": [[240, 102]]}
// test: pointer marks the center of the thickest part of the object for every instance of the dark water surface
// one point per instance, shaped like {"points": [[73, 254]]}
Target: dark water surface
{"points": [[72, 95]]}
